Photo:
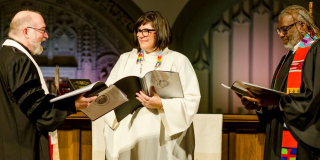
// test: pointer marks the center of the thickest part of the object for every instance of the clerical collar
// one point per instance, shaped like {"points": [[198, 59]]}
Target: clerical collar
{"points": [[295, 48]]}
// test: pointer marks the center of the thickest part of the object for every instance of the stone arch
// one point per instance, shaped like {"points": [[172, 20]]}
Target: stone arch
{"points": [[84, 29], [112, 20], [106, 17], [65, 41]]}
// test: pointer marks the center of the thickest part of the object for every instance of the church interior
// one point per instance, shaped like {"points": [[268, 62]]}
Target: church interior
{"points": [[224, 40]]}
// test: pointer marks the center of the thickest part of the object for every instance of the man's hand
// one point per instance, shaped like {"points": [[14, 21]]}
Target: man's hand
{"points": [[83, 102], [150, 102], [249, 105], [256, 101], [267, 98]]}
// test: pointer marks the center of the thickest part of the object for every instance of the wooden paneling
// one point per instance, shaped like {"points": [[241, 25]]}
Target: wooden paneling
{"points": [[86, 145], [242, 138], [69, 144], [75, 138]]}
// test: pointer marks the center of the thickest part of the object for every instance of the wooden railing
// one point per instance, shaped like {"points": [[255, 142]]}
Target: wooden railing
{"points": [[242, 138]]}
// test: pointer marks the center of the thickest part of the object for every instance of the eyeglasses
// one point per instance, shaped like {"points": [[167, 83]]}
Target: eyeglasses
{"points": [[40, 30], [145, 32], [285, 29]]}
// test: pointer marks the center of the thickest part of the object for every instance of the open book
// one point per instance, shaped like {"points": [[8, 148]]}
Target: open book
{"points": [[91, 90], [108, 98], [166, 84], [242, 87]]}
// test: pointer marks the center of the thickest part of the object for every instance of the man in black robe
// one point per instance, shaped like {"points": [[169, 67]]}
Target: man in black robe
{"points": [[298, 112], [26, 116]]}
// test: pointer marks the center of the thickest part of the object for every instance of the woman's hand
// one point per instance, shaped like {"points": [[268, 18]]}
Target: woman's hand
{"points": [[153, 102]]}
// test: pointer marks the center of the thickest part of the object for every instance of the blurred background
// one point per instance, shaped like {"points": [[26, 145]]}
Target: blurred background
{"points": [[224, 40]]}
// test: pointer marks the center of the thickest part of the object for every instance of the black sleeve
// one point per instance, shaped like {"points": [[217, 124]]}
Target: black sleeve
{"points": [[263, 117], [24, 82], [302, 109], [269, 113]]}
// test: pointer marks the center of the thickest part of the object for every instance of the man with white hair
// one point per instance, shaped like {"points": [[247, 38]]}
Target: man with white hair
{"points": [[26, 114], [292, 121]]}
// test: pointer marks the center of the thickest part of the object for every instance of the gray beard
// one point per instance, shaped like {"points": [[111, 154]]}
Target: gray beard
{"points": [[36, 48], [293, 41]]}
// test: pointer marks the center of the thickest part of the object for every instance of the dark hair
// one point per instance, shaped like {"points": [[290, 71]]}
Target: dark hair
{"points": [[160, 23]]}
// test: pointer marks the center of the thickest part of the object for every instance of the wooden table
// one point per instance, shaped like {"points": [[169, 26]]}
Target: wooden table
{"points": [[242, 139]]}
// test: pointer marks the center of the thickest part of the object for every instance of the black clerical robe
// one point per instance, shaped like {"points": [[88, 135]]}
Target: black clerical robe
{"points": [[26, 115], [301, 111]]}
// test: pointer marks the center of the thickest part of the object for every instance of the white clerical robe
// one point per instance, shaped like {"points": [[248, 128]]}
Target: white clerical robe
{"points": [[150, 133]]}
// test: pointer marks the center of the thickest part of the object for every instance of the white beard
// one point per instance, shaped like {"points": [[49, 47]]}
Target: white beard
{"points": [[293, 40], [36, 48]]}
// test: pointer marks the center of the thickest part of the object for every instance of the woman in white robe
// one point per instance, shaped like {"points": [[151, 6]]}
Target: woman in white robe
{"points": [[161, 129]]}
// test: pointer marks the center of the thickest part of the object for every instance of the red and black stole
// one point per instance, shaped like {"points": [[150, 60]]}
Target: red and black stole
{"points": [[289, 144]]}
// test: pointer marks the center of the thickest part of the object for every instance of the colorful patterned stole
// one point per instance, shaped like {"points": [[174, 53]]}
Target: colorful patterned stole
{"points": [[289, 144], [141, 58]]}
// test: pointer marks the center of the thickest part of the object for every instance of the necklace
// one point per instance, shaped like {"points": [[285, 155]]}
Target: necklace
{"points": [[141, 58]]}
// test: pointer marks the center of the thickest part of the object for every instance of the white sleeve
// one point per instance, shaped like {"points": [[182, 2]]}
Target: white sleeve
{"points": [[98, 145], [115, 71], [110, 118], [177, 114]]}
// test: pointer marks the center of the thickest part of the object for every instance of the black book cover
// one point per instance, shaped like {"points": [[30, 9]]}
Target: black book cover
{"points": [[130, 86]]}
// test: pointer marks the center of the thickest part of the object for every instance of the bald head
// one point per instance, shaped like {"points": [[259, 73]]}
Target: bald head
{"points": [[28, 28], [21, 20]]}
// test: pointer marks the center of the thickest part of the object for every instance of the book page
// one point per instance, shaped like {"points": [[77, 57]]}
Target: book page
{"points": [[167, 84], [259, 89], [238, 87], [225, 86], [242, 88], [106, 101], [87, 88]]}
